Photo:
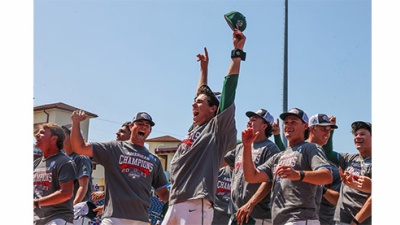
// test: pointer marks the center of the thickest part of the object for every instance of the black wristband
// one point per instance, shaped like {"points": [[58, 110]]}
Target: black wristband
{"points": [[238, 53], [301, 175], [36, 202], [355, 221]]}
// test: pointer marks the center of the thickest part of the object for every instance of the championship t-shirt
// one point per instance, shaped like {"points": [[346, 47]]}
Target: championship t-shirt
{"points": [[294, 200], [351, 200], [48, 173], [242, 191], [130, 172]]}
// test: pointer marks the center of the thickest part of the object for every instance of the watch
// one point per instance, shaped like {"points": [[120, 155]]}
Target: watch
{"points": [[238, 53], [302, 174]]}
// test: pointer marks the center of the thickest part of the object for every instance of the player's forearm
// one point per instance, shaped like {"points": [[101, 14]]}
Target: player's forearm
{"points": [[365, 212], [261, 192], [234, 67], [332, 196]]}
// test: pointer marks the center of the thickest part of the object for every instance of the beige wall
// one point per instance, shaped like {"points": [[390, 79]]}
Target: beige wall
{"points": [[154, 145], [59, 117]]}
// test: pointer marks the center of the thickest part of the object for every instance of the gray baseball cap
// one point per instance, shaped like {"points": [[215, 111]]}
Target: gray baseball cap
{"points": [[321, 120], [264, 114]]}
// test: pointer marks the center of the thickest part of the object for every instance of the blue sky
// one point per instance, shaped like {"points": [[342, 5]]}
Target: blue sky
{"points": [[115, 58]]}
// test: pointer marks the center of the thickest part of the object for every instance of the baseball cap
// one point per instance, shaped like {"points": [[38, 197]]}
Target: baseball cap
{"points": [[263, 114], [234, 18], [321, 120], [143, 116], [67, 130], [361, 124], [295, 112]]}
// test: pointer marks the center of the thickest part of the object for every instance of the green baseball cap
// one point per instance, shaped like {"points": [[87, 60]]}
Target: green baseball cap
{"points": [[234, 19]]}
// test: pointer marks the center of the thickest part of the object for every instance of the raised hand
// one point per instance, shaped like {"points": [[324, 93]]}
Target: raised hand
{"points": [[78, 116], [275, 128], [238, 39], [203, 59]]}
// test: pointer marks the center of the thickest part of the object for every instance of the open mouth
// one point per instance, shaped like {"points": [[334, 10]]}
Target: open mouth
{"points": [[141, 133]]}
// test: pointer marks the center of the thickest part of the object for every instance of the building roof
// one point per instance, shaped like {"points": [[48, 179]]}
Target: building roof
{"points": [[61, 106], [165, 138]]}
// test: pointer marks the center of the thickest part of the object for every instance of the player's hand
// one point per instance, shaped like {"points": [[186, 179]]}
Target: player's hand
{"points": [[97, 196], [243, 213], [275, 128], [238, 39], [287, 172], [78, 116], [332, 119], [99, 210], [203, 59], [248, 136]]}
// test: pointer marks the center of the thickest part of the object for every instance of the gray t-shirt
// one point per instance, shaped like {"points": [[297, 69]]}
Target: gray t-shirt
{"points": [[83, 168], [195, 165], [351, 200], [130, 172], [327, 209], [294, 200], [223, 203], [242, 191], [47, 175]]}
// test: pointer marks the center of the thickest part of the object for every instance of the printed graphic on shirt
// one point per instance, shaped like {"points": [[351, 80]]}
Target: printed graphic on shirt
{"points": [[42, 177], [357, 168], [239, 161], [289, 158], [187, 142], [136, 165], [224, 188]]}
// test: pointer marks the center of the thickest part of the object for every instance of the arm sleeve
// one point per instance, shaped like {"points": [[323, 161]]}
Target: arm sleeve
{"points": [[228, 92], [278, 142]]}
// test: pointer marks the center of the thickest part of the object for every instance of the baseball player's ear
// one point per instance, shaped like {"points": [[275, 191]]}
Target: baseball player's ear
{"points": [[214, 108]]}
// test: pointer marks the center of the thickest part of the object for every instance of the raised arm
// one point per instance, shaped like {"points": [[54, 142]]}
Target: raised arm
{"points": [[238, 43], [231, 80], [250, 172], [203, 59], [276, 130], [78, 144]]}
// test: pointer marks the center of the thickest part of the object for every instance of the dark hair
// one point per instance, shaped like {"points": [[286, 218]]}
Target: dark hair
{"points": [[55, 130], [361, 125], [66, 130], [126, 124], [307, 133], [268, 131], [212, 99]]}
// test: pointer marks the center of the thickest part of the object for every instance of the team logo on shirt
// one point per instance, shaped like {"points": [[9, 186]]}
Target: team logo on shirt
{"points": [[136, 166], [224, 188], [41, 180], [289, 158], [187, 141]]}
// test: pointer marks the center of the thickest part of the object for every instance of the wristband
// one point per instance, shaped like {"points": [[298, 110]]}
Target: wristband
{"points": [[355, 221], [238, 53], [302, 174], [36, 202]]}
